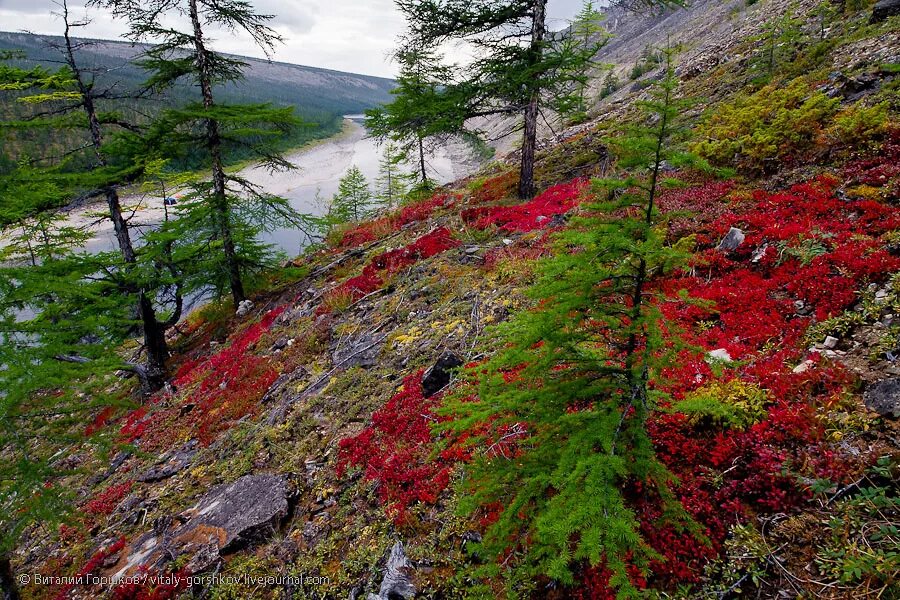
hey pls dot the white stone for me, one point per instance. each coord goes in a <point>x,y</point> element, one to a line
<point>830,342</point>
<point>720,354</point>
<point>804,366</point>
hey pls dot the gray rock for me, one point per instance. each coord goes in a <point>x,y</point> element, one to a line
<point>170,464</point>
<point>358,351</point>
<point>884,398</point>
<point>438,375</point>
<point>884,9</point>
<point>228,517</point>
<point>830,342</point>
<point>734,238</point>
<point>397,584</point>
<point>244,308</point>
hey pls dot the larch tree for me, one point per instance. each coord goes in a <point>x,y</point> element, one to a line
<point>88,100</point>
<point>392,182</point>
<point>565,399</point>
<point>420,116</point>
<point>227,212</point>
<point>518,67</point>
<point>353,200</point>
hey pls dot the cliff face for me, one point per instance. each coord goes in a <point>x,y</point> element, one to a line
<point>295,440</point>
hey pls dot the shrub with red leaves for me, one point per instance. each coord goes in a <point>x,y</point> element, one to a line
<point>395,451</point>
<point>410,213</point>
<point>531,215</point>
<point>392,262</point>
<point>91,565</point>
<point>107,500</point>
<point>220,389</point>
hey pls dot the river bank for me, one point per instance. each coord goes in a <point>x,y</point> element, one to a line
<point>308,187</point>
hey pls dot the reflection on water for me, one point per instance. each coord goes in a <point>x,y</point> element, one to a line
<point>318,172</point>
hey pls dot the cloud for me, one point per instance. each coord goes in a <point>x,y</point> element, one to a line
<point>345,35</point>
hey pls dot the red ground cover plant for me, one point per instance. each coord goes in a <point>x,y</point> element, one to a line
<point>392,262</point>
<point>411,213</point>
<point>496,188</point>
<point>805,254</point>
<point>107,500</point>
<point>92,564</point>
<point>395,451</point>
<point>528,216</point>
<point>217,391</point>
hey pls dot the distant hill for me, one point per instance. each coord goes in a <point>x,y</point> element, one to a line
<point>320,97</point>
<point>308,88</point>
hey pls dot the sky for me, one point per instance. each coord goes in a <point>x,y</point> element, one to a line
<point>345,35</point>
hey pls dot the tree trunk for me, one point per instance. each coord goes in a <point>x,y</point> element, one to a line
<point>214,145</point>
<point>154,335</point>
<point>422,162</point>
<point>529,136</point>
<point>8,585</point>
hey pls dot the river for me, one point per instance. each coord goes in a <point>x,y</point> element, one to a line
<point>319,168</point>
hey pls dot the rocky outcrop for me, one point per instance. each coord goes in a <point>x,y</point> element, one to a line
<point>884,9</point>
<point>397,583</point>
<point>228,517</point>
<point>438,376</point>
<point>884,397</point>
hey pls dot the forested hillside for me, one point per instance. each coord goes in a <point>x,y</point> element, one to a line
<point>320,97</point>
<point>650,352</point>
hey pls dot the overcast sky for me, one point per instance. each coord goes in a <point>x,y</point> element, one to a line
<point>347,35</point>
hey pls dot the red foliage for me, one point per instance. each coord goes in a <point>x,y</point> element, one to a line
<point>107,500</point>
<point>496,188</point>
<point>99,421</point>
<point>395,450</point>
<point>91,565</point>
<point>393,261</point>
<point>531,215</point>
<point>146,586</point>
<point>220,389</point>
<point>418,211</point>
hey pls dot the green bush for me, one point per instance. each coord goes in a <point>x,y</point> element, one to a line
<point>770,124</point>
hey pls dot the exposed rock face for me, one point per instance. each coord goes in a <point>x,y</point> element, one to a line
<point>731,241</point>
<point>397,584</point>
<point>437,377</point>
<point>170,463</point>
<point>226,518</point>
<point>884,397</point>
<point>884,9</point>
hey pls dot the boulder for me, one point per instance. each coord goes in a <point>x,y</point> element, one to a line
<point>732,239</point>
<point>244,308</point>
<point>397,583</point>
<point>884,397</point>
<point>438,375</point>
<point>228,517</point>
<point>884,9</point>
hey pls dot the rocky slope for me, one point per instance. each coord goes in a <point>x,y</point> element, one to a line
<point>295,440</point>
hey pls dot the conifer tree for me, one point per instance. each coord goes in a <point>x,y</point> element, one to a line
<point>518,69</point>
<point>391,185</point>
<point>584,31</point>
<point>567,394</point>
<point>353,200</point>
<point>420,117</point>
<point>227,212</point>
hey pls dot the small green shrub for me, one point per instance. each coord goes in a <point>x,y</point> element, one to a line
<point>772,123</point>
<point>733,404</point>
